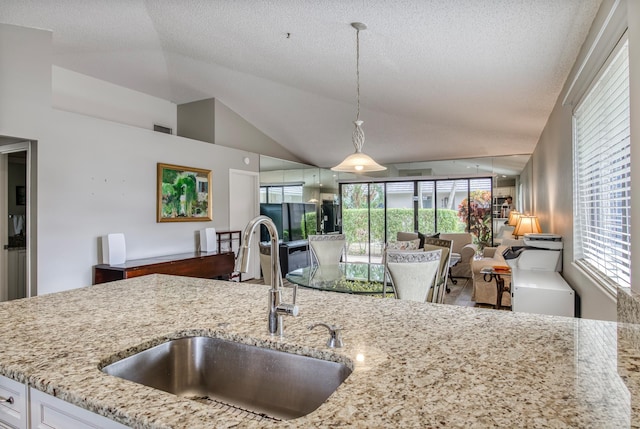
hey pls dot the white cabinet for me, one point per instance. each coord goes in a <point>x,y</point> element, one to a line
<point>13,405</point>
<point>48,412</point>
<point>20,404</point>
<point>541,292</point>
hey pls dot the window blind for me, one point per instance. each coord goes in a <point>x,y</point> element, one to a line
<point>602,175</point>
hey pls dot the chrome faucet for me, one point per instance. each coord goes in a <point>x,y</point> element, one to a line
<point>276,307</point>
<point>335,334</point>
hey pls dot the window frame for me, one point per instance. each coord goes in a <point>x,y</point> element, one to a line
<point>588,261</point>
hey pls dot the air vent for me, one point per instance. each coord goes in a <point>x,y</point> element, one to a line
<point>161,129</point>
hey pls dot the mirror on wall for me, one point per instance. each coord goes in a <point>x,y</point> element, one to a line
<point>316,189</point>
<point>291,190</point>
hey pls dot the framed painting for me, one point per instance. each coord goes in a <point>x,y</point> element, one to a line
<point>184,194</point>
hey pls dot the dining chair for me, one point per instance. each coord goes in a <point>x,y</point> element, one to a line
<point>412,273</point>
<point>265,262</point>
<point>327,249</point>
<point>443,270</point>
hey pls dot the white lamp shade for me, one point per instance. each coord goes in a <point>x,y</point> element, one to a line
<point>526,225</point>
<point>358,162</point>
<point>513,218</point>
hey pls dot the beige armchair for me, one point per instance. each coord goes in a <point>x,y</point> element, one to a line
<point>485,290</point>
<point>463,245</point>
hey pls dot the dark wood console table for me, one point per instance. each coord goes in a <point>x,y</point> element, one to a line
<point>206,265</point>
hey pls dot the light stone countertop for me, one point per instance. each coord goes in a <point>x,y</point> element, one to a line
<point>425,365</point>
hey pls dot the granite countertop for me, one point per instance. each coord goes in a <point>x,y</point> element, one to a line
<point>425,365</point>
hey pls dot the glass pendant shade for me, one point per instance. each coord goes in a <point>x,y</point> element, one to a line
<point>358,162</point>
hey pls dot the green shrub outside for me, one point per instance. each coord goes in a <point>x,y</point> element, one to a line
<point>356,228</point>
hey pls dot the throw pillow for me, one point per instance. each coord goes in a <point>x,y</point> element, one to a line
<point>404,245</point>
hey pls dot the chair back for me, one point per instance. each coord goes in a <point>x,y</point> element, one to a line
<point>265,262</point>
<point>443,270</point>
<point>412,273</point>
<point>327,249</point>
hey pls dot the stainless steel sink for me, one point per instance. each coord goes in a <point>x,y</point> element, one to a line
<point>263,381</point>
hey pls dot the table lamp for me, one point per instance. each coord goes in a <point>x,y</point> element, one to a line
<point>527,224</point>
<point>513,218</point>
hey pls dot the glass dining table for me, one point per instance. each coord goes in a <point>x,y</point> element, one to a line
<point>346,277</point>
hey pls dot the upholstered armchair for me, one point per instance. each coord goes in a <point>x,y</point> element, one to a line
<point>463,245</point>
<point>485,290</point>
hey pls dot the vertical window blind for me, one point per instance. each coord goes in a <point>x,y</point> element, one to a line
<point>602,175</point>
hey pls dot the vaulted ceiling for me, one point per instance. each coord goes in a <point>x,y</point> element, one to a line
<point>439,79</point>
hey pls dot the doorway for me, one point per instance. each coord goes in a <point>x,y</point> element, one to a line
<point>15,219</point>
<point>242,210</point>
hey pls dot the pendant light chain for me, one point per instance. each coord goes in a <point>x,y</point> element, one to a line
<point>358,72</point>
<point>358,133</point>
<point>358,162</point>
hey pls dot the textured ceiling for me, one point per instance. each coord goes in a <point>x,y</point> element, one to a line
<point>440,79</point>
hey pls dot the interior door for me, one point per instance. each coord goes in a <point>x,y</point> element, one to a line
<point>244,205</point>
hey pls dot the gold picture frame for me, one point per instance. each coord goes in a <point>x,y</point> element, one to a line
<point>184,194</point>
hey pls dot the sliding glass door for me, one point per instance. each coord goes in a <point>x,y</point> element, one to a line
<point>363,207</point>
<point>451,199</point>
<point>374,212</point>
<point>426,207</point>
<point>400,216</point>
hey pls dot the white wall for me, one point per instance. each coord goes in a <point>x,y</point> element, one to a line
<point>97,177</point>
<point>25,81</point>
<point>551,165</point>
<point>232,130</point>
<point>79,93</point>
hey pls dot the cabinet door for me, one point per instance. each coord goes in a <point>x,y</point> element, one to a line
<point>48,412</point>
<point>13,405</point>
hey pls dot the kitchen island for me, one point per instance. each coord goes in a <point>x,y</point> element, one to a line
<point>414,365</point>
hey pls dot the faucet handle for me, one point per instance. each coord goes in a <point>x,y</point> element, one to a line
<point>335,332</point>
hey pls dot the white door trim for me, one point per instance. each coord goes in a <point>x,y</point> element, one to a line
<point>4,213</point>
<point>244,205</point>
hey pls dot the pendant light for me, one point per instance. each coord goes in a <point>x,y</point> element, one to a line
<point>358,162</point>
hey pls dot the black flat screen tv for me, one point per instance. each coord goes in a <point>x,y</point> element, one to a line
<point>290,220</point>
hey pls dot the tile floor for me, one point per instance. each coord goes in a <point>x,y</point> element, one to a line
<point>461,295</point>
